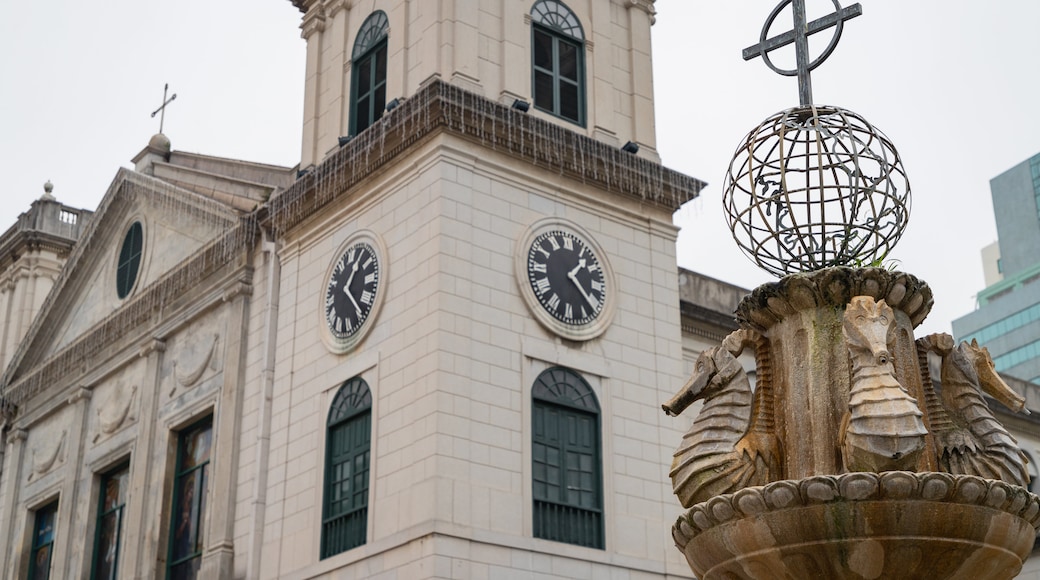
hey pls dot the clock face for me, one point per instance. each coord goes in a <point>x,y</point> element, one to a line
<point>566,277</point>
<point>352,290</point>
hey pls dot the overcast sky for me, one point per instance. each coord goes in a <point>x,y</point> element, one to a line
<point>952,83</point>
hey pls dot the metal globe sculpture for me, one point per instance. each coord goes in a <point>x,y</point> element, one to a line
<point>813,187</point>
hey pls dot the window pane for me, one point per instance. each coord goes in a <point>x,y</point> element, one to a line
<point>185,532</point>
<point>543,46</point>
<point>109,524</point>
<point>568,61</point>
<point>189,502</point>
<point>41,564</point>
<point>107,546</point>
<point>42,542</point>
<point>569,105</point>
<point>380,62</point>
<point>364,76</point>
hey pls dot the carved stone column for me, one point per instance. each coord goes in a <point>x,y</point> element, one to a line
<point>218,559</point>
<point>144,500</point>
<point>12,474</point>
<point>71,552</point>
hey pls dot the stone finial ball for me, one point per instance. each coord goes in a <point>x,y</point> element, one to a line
<point>814,187</point>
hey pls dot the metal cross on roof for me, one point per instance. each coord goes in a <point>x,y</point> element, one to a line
<point>800,37</point>
<point>162,109</point>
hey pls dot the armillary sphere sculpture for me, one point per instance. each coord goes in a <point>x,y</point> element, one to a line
<point>847,459</point>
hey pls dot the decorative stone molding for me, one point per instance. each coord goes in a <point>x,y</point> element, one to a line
<point>646,6</point>
<point>834,287</point>
<point>190,377</point>
<point>333,7</point>
<point>17,435</point>
<point>116,411</point>
<point>8,410</point>
<point>313,21</point>
<point>81,394</point>
<point>46,457</point>
<point>238,288</point>
<point>153,345</point>
<point>863,525</point>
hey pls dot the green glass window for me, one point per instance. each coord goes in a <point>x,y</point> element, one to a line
<point>347,447</point>
<point>191,479</point>
<point>43,542</point>
<point>368,84</point>
<point>558,61</point>
<point>109,528</point>
<point>129,260</point>
<point>567,468</point>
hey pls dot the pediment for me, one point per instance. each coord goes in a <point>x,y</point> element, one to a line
<point>102,276</point>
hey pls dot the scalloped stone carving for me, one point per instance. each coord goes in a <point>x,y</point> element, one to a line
<point>895,524</point>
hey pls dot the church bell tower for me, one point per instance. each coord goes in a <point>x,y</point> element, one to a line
<point>479,308</point>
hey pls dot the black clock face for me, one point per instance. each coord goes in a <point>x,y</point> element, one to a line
<point>352,290</point>
<point>567,277</point>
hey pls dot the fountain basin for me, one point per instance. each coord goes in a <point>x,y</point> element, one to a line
<point>862,526</point>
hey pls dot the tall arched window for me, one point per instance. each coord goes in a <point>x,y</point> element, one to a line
<point>368,79</point>
<point>558,61</point>
<point>348,441</point>
<point>567,471</point>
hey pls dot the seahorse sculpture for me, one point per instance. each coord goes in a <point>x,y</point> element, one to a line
<point>883,429</point>
<point>970,441</point>
<point>731,444</point>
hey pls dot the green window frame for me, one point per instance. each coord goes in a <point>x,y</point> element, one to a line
<point>129,259</point>
<point>188,509</point>
<point>558,61</point>
<point>44,524</point>
<point>109,527</point>
<point>348,444</point>
<point>368,73</point>
<point>567,480</point>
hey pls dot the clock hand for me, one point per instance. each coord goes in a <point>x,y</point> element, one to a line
<point>346,289</point>
<point>573,275</point>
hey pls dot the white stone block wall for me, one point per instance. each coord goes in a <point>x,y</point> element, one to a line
<point>483,46</point>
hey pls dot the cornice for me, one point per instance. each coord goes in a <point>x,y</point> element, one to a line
<point>334,7</point>
<point>439,107</point>
<point>646,6</point>
<point>313,21</point>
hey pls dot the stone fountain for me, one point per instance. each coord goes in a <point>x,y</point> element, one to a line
<point>845,460</point>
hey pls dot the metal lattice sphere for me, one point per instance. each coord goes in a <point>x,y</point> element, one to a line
<point>814,187</point>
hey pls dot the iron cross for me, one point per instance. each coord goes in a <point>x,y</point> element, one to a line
<point>799,35</point>
<point>162,109</point>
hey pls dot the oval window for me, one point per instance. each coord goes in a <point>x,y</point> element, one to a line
<point>129,260</point>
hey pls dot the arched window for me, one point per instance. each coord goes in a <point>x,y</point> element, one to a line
<point>567,471</point>
<point>368,79</point>
<point>129,259</point>
<point>348,441</point>
<point>558,61</point>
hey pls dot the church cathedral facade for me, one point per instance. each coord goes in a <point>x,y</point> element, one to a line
<point>435,349</point>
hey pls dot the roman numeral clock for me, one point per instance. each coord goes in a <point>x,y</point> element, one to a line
<point>353,291</point>
<point>565,279</point>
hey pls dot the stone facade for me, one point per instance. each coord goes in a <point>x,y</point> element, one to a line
<point>223,325</point>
